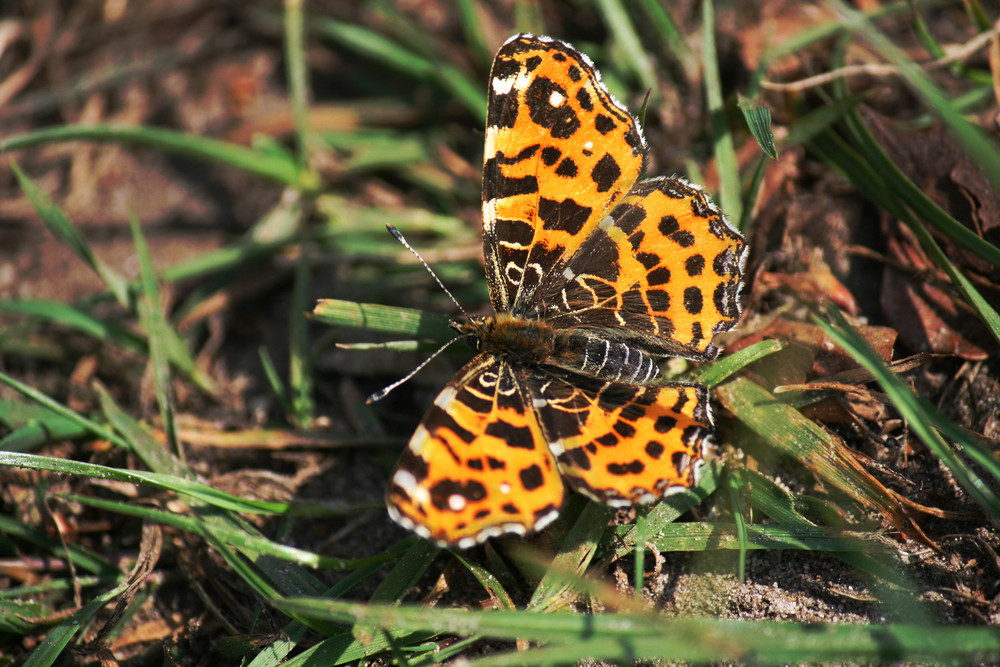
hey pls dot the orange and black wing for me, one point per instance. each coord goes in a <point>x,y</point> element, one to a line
<point>478,465</point>
<point>624,444</point>
<point>560,151</point>
<point>663,271</point>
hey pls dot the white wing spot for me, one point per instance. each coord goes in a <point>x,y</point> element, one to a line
<point>504,488</point>
<point>456,503</point>
<point>503,86</point>
<point>556,98</point>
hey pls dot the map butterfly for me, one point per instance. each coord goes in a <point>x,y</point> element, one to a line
<point>592,277</point>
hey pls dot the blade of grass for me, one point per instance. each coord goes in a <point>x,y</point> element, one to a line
<point>198,490</point>
<point>300,379</point>
<point>68,234</point>
<point>663,514</point>
<point>62,411</point>
<point>725,154</point>
<point>390,54</point>
<point>155,325</point>
<point>980,147</point>
<point>557,587</point>
<point>787,430</point>
<point>643,636</point>
<point>56,641</point>
<point>922,418</point>
<point>627,39</point>
<point>298,82</point>
<point>32,425</point>
<point>75,317</point>
<point>260,163</point>
<point>82,558</point>
<point>713,373</point>
<point>734,487</point>
<point>234,536</point>
<point>385,319</point>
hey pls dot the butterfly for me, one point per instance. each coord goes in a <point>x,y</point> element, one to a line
<point>593,277</point>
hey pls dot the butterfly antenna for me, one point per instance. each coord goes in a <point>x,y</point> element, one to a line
<point>382,393</point>
<point>399,237</point>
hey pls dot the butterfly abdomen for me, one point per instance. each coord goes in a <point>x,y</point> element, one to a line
<point>605,359</point>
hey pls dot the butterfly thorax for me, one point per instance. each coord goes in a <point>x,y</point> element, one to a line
<point>530,342</point>
<point>510,338</point>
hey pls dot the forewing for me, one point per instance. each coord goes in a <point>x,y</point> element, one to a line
<point>560,151</point>
<point>478,465</point>
<point>664,270</point>
<point>624,444</point>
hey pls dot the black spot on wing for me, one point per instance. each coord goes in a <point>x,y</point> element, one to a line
<point>561,121</point>
<point>624,429</point>
<point>513,436</point>
<point>694,265</point>
<point>531,477</point>
<point>658,276</point>
<point>668,225</point>
<point>576,458</point>
<point>632,468</point>
<point>693,300</point>
<point>665,424</point>
<point>565,215</point>
<point>628,217</point>
<point>654,449</point>
<point>567,168</point>
<point>498,186</point>
<point>604,124</point>
<point>659,300</point>
<point>683,238</point>
<point>648,259</point>
<point>605,173</point>
<point>471,490</point>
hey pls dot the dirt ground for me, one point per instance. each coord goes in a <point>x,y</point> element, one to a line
<point>216,69</point>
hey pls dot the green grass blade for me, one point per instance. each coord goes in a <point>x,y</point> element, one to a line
<point>631,637</point>
<point>730,197</point>
<point>488,581</point>
<point>558,584</point>
<point>385,319</point>
<point>191,488</point>
<point>300,380</point>
<point>33,425</point>
<point>627,39</point>
<point>734,487</point>
<point>74,317</point>
<point>713,373</point>
<point>921,417</point>
<point>391,54</point>
<point>155,325</point>
<point>786,430</point>
<point>666,512</point>
<point>260,163</point>
<point>56,641</point>
<point>82,558</point>
<point>976,143</point>
<point>63,411</point>
<point>298,80</point>
<point>235,536</point>
<point>68,234</point>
